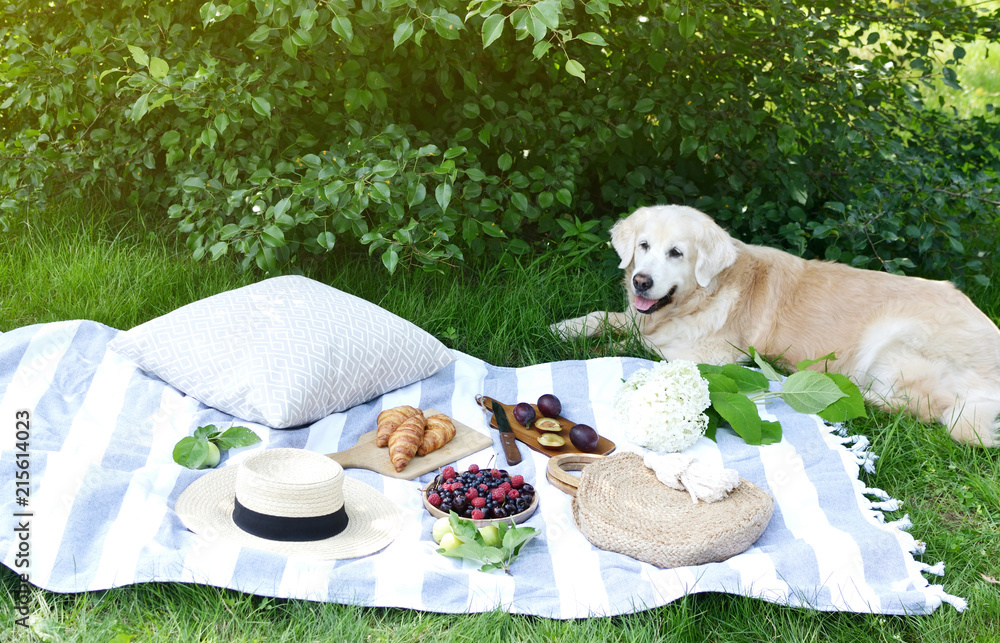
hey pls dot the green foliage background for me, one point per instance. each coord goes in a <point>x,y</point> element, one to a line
<point>439,132</point>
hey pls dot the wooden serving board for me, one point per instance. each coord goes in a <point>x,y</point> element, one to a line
<point>530,436</point>
<point>365,455</point>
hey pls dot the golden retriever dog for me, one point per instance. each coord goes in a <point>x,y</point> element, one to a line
<point>696,293</point>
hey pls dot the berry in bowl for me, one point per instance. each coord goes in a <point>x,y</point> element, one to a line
<point>485,496</point>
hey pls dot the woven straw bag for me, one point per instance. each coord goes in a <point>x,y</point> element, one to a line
<point>620,506</point>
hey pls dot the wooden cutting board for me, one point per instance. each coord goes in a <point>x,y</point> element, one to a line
<point>530,436</point>
<point>365,455</point>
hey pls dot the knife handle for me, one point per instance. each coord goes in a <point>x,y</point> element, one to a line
<point>510,450</point>
<point>507,439</point>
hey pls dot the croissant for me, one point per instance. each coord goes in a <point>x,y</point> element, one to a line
<point>406,439</point>
<point>440,430</point>
<point>389,419</point>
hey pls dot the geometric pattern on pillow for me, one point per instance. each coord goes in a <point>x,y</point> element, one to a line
<point>283,352</point>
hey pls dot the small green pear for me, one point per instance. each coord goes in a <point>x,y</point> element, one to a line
<point>449,541</point>
<point>491,535</point>
<point>441,527</point>
<point>214,455</point>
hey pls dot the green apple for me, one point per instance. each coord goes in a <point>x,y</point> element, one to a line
<point>214,455</point>
<point>491,535</point>
<point>441,527</point>
<point>449,541</point>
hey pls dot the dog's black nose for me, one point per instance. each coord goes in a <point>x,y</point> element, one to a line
<point>642,282</point>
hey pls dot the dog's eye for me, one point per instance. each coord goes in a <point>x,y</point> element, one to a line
<point>644,245</point>
<point>675,253</point>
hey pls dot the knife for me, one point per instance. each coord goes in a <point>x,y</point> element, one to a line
<point>510,449</point>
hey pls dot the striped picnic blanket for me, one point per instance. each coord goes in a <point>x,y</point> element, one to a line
<point>97,511</point>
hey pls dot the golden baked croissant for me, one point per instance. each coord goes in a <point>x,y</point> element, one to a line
<point>389,419</point>
<point>406,439</point>
<point>440,430</point>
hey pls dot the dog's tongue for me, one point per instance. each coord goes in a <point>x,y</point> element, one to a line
<point>644,304</point>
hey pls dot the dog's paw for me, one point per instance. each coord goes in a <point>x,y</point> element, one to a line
<point>563,330</point>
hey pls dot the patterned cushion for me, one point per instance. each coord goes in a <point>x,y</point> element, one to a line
<point>283,352</point>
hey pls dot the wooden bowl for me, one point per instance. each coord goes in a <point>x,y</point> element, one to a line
<point>556,471</point>
<point>516,518</point>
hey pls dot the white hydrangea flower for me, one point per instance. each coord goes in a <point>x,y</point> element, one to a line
<point>662,408</point>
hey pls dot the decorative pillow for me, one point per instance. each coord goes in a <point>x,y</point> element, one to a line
<point>283,352</point>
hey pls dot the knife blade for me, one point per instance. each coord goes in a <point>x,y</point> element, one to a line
<point>510,449</point>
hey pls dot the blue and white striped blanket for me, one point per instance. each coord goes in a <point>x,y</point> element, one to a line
<point>103,485</point>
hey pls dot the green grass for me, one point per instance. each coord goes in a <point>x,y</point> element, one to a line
<point>75,262</point>
<point>68,263</point>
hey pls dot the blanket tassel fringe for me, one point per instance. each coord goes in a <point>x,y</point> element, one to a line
<point>886,503</point>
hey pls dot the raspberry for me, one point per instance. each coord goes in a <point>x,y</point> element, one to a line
<point>434,499</point>
<point>473,468</point>
<point>478,502</point>
<point>497,495</point>
<point>505,486</point>
<point>495,473</point>
<point>472,493</point>
<point>516,480</point>
<point>483,487</point>
<point>448,473</point>
<point>513,494</point>
<point>477,514</point>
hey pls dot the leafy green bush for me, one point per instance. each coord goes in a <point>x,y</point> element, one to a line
<point>437,131</point>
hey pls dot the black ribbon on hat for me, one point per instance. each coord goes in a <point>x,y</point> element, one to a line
<point>288,528</point>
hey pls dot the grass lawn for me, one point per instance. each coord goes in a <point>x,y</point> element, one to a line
<point>82,261</point>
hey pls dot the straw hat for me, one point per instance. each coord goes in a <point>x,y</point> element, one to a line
<point>293,502</point>
<point>621,506</point>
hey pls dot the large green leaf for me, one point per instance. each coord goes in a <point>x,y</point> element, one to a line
<point>139,55</point>
<point>442,193</point>
<point>688,25</point>
<point>851,406</point>
<point>235,437</point>
<point>158,68</point>
<point>770,432</point>
<point>740,413</point>
<point>402,33</point>
<point>810,391</point>
<point>342,27</point>
<point>273,236</point>
<point>747,380</point>
<point>592,38</point>
<point>492,28</point>
<point>575,68</point>
<point>719,383</point>
<point>195,453</point>
<point>261,105</point>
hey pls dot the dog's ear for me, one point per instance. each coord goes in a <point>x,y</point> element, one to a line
<point>716,252</point>
<point>623,240</point>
